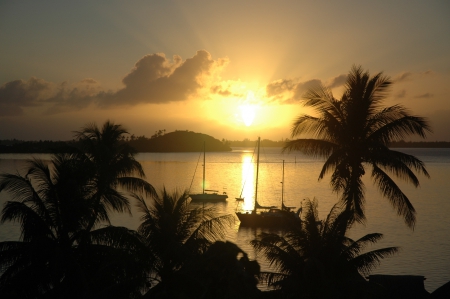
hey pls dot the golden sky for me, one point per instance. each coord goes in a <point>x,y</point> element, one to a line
<point>230,69</point>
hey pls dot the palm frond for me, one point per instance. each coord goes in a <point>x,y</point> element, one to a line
<point>366,262</point>
<point>118,237</point>
<point>398,125</point>
<point>355,247</point>
<point>19,187</point>
<point>392,192</point>
<point>278,251</point>
<point>400,164</point>
<point>114,200</point>
<point>334,161</point>
<point>213,229</point>
<point>32,225</point>
<point>272,279</point>
<point>311,147</point>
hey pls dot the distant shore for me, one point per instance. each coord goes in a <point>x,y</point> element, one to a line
<point>398,144</point>
<point>47,146</point>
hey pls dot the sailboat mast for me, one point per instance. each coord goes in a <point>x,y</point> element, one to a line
<point>282,188</point>
<point>257,172</point>
<point>204,166</point>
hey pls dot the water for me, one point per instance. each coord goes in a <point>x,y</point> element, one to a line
<point>424,251</point>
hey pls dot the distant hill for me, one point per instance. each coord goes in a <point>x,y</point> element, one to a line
<point>179,141</point>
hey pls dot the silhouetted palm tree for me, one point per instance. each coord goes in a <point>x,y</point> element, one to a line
<point>176,232</point>
<point>52,205</point>
<point>317,259</point>
<point>354,133</point>
<point>112,164</point>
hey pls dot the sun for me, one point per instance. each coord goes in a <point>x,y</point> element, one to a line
<point>248,113</point>
<point>248,109</point>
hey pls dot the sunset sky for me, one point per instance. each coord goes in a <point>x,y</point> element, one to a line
<point>230,69</point>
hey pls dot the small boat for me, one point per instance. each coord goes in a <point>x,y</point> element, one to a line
<point>207,195</point>
<point>268,216</point>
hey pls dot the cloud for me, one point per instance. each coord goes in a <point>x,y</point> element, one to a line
<point>408,76</point>
<point>279,87</point>
<point>217,89</point>
<point>424,96</point>
<point>405,76</point>
<point>400,94</point>
<point>338,81</point>
<point>154,79</point>
<point>73,97</point>
<point>303,87</point>
<point>288,91</point>
<point>17,94</point>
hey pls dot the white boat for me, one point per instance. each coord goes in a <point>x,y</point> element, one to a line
<point>207,195</point>
<point>265,216</point>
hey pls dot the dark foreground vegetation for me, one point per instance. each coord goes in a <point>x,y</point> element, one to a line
<point>68,247</point>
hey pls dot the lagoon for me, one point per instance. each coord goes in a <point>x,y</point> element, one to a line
<point>424,251</point>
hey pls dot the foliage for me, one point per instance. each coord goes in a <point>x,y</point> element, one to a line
<point>112,165</point>
<point>175,232</point>
<point>179,141</point>
<point>51,202</point>
<point>317,259</point>
<point>222,271</point>
<point>353,134</point>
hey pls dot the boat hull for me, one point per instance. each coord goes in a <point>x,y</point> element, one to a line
<point>279,219</point>
<point>207,197</point>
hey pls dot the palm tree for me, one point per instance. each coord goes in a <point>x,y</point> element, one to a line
<point>176,232</point>
<point>353,134</point>
<point>317,259</point>
<point>51,202</point>
<point>112,164</point>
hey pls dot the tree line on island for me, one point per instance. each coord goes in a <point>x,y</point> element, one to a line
<point>176,142</point>
<point>68,247</point>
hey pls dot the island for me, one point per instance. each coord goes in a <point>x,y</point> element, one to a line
<point>177,141</point>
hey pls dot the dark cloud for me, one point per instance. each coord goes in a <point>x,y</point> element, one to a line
<point>302,88</point>
<point>405,76</point>
<point>279,87</point>
<point>73,97</point>
<point>289,91</point>
<point>154,79</point>
<point>424,96</point>
<point>338,81</point>
<point>17,94</point>
<point>400,94</point>
<point>429,73</point>
<point>220,90</point>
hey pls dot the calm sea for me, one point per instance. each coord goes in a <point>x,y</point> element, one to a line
<point>424,251</point>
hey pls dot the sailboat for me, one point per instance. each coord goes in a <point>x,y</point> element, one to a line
<point>207,195</point>
<point>268,216</point>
